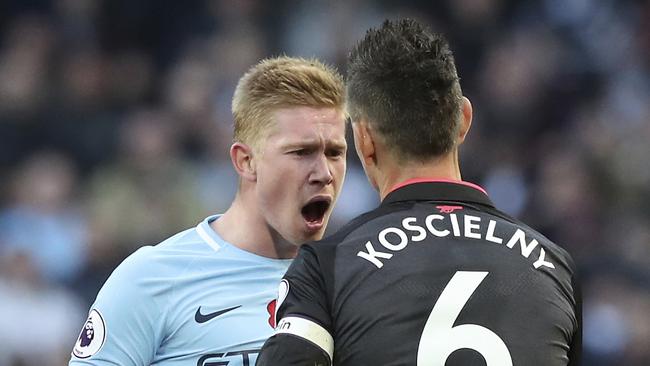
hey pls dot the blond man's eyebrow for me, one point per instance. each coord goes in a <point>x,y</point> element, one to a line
<point>340,144</point>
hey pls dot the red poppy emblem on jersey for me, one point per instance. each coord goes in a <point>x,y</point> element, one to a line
<point>271,309</point>
<point>448,209</point>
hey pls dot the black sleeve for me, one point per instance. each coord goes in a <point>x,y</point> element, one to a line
<point>287,350</point>
<point>575,352</point>
<point>303,330</point>
<point>306,294</point>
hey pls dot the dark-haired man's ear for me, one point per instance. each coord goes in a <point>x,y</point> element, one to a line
<point>243,161</point>
<point>465,120</point>
<point>365,145</point>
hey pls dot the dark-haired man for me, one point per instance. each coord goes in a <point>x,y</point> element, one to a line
<point>436,275</point>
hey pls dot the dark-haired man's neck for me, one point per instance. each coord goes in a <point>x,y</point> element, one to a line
<point>394,173</point>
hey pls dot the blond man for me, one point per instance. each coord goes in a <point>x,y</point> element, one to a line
<point>206,295</point>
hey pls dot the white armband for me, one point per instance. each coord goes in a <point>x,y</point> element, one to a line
<point>308,330</point>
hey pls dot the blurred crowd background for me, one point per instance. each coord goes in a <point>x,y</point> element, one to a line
<point>115,125</point>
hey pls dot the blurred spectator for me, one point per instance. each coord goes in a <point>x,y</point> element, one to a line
<point>615,321</point>
<point>328,29</point>
<point>147,192</point>
<point>507,188</point>
<point>27,45</point>
<point>38,322</point>
<point>42,219</point>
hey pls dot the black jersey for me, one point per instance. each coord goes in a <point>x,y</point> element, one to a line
<point>434,276</point>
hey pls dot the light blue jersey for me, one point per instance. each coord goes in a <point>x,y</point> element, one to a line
<point>193,299</point>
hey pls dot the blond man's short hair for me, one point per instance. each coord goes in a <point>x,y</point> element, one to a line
<point>282,82</point>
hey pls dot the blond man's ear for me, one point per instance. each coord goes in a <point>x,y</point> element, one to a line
<point>243,160</point>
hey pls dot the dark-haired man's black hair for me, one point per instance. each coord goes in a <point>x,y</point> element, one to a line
<point>403,80</point>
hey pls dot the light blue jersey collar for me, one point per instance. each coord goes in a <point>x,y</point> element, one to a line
<point>216,242</point>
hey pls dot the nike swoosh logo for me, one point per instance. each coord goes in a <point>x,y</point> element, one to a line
<point>202,318</point>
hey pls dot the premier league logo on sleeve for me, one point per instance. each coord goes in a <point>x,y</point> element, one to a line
<point>92,336</point>
<point>87,334</point>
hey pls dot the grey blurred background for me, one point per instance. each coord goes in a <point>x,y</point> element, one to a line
<point>115,126</point>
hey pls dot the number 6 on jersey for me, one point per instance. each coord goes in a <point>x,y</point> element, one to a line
<point>440,338</point>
